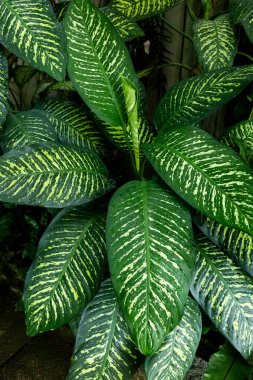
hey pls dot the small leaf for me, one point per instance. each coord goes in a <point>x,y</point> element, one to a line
<point>22,74</point>
<point>67,269</point>
<point>3,87</point>
<point>241,11</point>
<point>175,356</point>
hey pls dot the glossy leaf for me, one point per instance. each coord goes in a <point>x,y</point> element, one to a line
<point>150,253</point>
<point>206,174</point>
<point>104,348</point>
<point>241,11</point>
<point>52,176</point>
<point>29,29</point>
<point>3,87</point>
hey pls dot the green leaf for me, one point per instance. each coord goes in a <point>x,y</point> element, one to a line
<point>97,58</point>
<point>237,244</point>
<point>72,124</point>
<point>193,99</point>
<point>52,176</point>
<point>150,254</point>
<point>67,269</point>
<point>225,292</point>
<point>31,31</point>
<point>206,174</point>
<point>104,348</point>
<point>215,43</point>
<point>26,128</point>
<point>175,356</point>
<point>227,364</point>
<point>22,74</point>
<point>140,9</point>
<point>3,87</point>
<point>241,11</point>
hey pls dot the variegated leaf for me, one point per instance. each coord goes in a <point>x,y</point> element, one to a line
<point>104,348</point>
<point>22,74</point>
<point>97,58</point>
<point>52,176</point>
<point>72,124</point>
<point>150,254</point>
<point>3,87</point>
<point>175,356</point>
<point>193,99</point>
<point>30,30</point>
<point>26,128</point>
<point>206,174</point>
<point>67,269</point>
<point>241,11</point>
<point>225,292</point>
<point>215,43</point>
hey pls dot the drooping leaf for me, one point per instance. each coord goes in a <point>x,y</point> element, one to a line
<point>206,174</point>
<point>241,11</point>
<point>193,99</point>
<point>26,128</point>
<point>227,364</point>
<point>67,269</point>
<point>97,58</point>
<point>22,74</point>
<point>175,356</point>
<point>150,254</point>
<point>3,87</point>
<point>30,30</point>
<point>215,43</point>
<point>52,176</point>
<point>72,124</point>
<point>104,348</point>
<point>225,292</point>
<point>140,9</point>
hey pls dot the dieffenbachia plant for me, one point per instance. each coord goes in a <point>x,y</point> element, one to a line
<point>138,233</point>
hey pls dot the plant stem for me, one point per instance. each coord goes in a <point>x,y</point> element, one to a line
<point>176,29</point>
<point>147,71</point>
<point>251,115</point>
<point>245,55</point>
<point>190,10</point>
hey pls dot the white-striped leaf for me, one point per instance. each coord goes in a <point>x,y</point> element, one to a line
<point>150,253</point>
<point>97,58</point>
<point>22,74</point>
<point>193,99</point>
<point>52,176</point>
<point>26,128</point>
<point>215,43</point>
<point>3,87</point>
<point>66,271</point>
<point>72,124</point>
<point>140,9</point>
<point>175,356</point>
<point>205,173</point>
<point>241,11</point>
<point>30,30</point>
<point>104,348</point>
<point>225,292</point>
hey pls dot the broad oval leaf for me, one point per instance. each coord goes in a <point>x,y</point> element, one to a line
<point>150,253</point>
<point>175,356</point>
<point>30,30</point>
<point>67,269</point>
<point>72,124</point>
<point>104,348</point>
<point>97,58</point>
<point>52,176</point>
<point>193,99</point>
<point>225,292</point>
<point>206,174</point>
<point>241,11</point>
<point>3,87</point>
<point>215,43</point>
<point>26,128</point>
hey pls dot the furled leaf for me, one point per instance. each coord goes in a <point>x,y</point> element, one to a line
<point>207,7</point>
<point>97,60</point>
<point>235,243</point>
<point>104,348</point>
<point>3,87</point>
<point>52,176</point>
<point>29,29</point>
<point>22,74</point>
<point>225,292</point>
<point>241,11</point>
<point>175,356</point>
<point>227,364</point>
<point>139,9</point>
<point>150,253</point>
<point>193,99</point>
<point>26,128</point>
<point>215,43</point>
<point>206,174</point>
<point>67,269</point>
